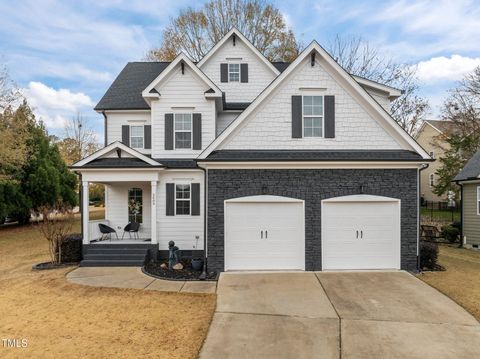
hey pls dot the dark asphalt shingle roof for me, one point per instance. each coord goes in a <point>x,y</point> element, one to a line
<point>129,162</point>
<point>471,170</point>
<point>125,93</point>
<point>313,155</point>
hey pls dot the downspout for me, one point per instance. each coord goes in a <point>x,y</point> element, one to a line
<point>80,204</point>
<point>462,235</point>
<point>424,167</point>
<point>203,276</point>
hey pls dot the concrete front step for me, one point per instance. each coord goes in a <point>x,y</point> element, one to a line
<point>111,255</point>
<point>112,263</point>
<point>114,251</point>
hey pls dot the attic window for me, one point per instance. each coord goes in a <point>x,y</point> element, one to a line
<point>233,72</point>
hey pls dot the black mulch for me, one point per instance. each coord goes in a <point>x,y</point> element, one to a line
<point>187,273</point>
<point>50,265</point>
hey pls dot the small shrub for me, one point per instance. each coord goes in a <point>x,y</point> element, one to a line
<point>428,256</point>
<point>457,225</point>
<point>450,233</point>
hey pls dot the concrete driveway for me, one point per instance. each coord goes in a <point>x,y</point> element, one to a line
<point>333,315</point>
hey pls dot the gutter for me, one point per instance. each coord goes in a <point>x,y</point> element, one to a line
<point>424,167</point>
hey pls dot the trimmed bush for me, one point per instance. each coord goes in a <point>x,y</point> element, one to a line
<point>72,248</point>
<point>450,233</point>
<point>428,256</point>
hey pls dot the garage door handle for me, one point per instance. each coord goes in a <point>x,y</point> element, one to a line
<point>266,234</point>
<point>361,234</point>
<point>357,234</point>
<point>261,234</point>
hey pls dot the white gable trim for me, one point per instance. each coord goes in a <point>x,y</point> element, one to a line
<point>391,124</point>
<point>246,42</point>
<point>182,57</point>
<point>111,147</point>
<point>392,92</point>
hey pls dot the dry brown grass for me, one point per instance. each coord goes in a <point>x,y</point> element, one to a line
<point>461,280</point>
<point>63,320</point>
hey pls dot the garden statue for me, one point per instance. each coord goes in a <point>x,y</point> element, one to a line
<point>173,254</point>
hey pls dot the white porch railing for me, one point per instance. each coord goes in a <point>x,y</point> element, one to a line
<point>93,230</point>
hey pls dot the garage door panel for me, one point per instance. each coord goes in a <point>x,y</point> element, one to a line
<point>264,236</point>
<point>377,244</point>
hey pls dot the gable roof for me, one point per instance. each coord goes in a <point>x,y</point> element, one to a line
<point>471,170</point>
<point>440,125</point>
<point>247,42</point>
<point>182,58</point>
<point>117,146</point>
<point>374,105</point>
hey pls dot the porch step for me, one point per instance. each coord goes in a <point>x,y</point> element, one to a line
<point>112,255</point>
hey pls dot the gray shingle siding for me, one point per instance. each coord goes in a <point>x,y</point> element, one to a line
<point>312,185</point>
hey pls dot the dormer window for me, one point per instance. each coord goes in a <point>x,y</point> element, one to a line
<point>183,130</point>
<point>233,72</point>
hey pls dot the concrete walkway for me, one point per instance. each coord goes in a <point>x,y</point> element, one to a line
<point>333,315</point>
<point>132,277</point>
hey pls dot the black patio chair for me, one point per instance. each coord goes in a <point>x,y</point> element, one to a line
<point>130,228</point>
<point>106,231</point>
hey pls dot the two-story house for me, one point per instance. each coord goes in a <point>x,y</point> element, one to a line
<point>256,165</point>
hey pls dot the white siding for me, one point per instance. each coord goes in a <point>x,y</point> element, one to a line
<point>115,121</point>
<point>224,119</point>
<point>270,125</point>
<point>183,230</point>
<point>117,207</point>
<point>381,99</point>
<point>181,94</point>
<point>259,74</point>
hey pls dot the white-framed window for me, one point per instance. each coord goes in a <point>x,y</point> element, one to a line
<point>478,200</point>
<point>431,179</point>
<point>233,72</point>
<point>432,154</point>
<point>135,205</point>
<point>137,134</point>
<point>183,130</point>
<point>182,199</point>
<point>313,116</point>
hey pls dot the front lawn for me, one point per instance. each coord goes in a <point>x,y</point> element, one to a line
<point>63,320</point>
<point>461,279</point>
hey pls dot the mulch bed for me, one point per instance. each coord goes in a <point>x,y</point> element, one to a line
<point>187,273</point>
<point>50,265</point>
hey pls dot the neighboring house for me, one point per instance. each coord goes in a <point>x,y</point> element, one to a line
<point>430,137</point>
<point>469,181</point>
<point>266,166</point>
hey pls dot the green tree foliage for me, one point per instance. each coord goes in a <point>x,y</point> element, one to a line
<point>195,32</point>
<point>463,110</point>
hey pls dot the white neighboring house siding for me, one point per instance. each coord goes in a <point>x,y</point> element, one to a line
<point>259,75</point>
<point>117,207</point>
<point>184,229</point>
<point>224,119</point>
<point>181,94</point>
<point>381,99</point>
<point>270,125</point>
<point>116,119</point>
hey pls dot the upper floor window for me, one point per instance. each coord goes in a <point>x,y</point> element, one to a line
<point>182,199</point>
<point>313,116</point>
<point>137,136</point>
<point>183,130</point>
<point>135,205</point>
<point>233,72</point>
<point>431,179</point>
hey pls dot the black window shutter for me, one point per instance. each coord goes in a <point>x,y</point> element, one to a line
<point>195,199</point>
<point>223,72</point>
<point>197,131</point>
<point>244,72</point>
<point>170,203</point>
<point>147,133</point>
<point>126,135</point>
<point>329,103</point>
<point>169,131</point>
<point>296,116</point>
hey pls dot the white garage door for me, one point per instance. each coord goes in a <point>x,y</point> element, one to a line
<point>264,233</point>
<point>361,232</point>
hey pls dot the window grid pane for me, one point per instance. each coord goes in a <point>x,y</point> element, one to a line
<point>136,136</point>
<point>182,199</point>
<point>234,72</point>
<point>312,116</point>
<point>183,130</point>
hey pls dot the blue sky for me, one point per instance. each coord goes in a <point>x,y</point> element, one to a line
<point>64,54</point>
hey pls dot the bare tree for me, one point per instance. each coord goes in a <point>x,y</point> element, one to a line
<point>360,58</point>
<point>79,141</point>
<point>9,93</point>
<point>194,32</point>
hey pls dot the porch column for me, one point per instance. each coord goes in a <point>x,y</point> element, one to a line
<point>85,212</point>
<point>154,212</point>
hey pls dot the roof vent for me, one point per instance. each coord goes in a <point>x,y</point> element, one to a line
<point>313,59</point>
<point>234,38</point>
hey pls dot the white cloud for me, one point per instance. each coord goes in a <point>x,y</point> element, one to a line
<point>446,68</point>
<point>53,106</point>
